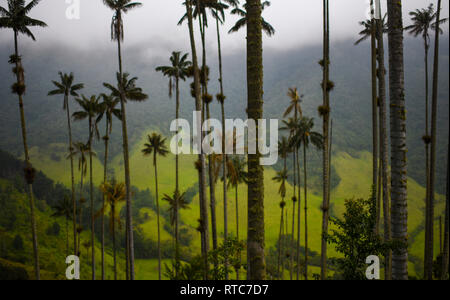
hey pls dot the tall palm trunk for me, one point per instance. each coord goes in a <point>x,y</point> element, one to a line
<point>80,224</point>
<point>433,145</point>
<point>158,221</point>
<point>224,156</point>
<point>212,193</point>
<point>113,210</point>
<point>399,210</point>
<point>291,244</point>
<point>237,227</point>
<point>280,243</point>
<point>298,216</point>
<point>427,141</point>
<point>126,160</point>
<point>326,153</point>
<point>105,175</point>
<point>29,171</point>
<point>374,102</point>
<point>305,178</point>
<point>74,202</point>
<point>384,145</point>
<point>177,188</point>
<point>91,192</point>
<point>445,252</point>
<point>294,199</point>
<point>255,244</point>
<point>202,173</point>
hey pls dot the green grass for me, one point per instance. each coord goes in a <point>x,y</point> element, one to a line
<point>355,182</point>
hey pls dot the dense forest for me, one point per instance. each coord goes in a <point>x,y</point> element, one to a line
<point>88,167</point>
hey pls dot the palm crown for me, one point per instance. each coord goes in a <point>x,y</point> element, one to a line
<point>156,145</point>
<point>423,20</point>
<point>178,70</point>
<point>176,203</point>
<point>367,31</point>
<point>115,194</point>
<point>128,87</point>
<point>217,9</point>
<point>108,109</point>
<point>66,87</point>
<point>119,7</point>
<point>15,17</point>
<point>267,28</point>
<point>296,100</point>
<point>82,151</point>
<point>237,174</point>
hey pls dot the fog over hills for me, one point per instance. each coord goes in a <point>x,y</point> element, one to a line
<point>351,108</point>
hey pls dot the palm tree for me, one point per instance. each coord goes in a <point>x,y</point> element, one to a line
<point>324,112</point>
<point>281,242</point>
<point>16,17</point>
<point>399,211</point>
<point>107,109</point>
<point>201,161</point>
<point>90,109</point>
<point>64,209</point>
<point>157,146</point>
<point>67,88</point>
<point>281,178</point>
<point>370,31</point>
<point>121,7</point>
<point>81,151</point>
<point>176,203</point>
<point>115,194</point>
<point>177,70</point>
<point>284,149</point>
<point>434,100</point>
<point>294,144</point>
<point>255,237</point>
<point>219,14</point>
<point>237,175</point>
<point>308,137</point>
<point>423,21</point>
<point>381,30</point>
<point>266,27</point>
<point>295,107</point>
<point>125,90</point>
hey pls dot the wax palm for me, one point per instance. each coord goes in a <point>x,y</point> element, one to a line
<point>266,27</point>
<point>295,105</point>
<point>424,20</point>
<point>157,146</point>
<point>179,69</point>
<point>292,125</point>
<point>121,7</point>
<point>67,88</point>
<point>106,109</point>
<point>90,108</point>
<point>219,15</point>
<point>115,193</point>
<point>367,29</point>
<point>176,203</point>
<point>236,175</point>
<point>128,86</point>
<point>16,17</point>
<point>82,151</point>
<point>64,209</point>
<point>308,137</point>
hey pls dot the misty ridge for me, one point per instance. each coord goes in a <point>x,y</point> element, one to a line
<point>350,70</point>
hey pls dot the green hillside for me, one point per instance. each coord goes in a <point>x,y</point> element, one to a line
<point>354,174</point>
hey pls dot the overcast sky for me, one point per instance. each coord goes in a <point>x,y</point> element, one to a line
<point>297,23</point>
